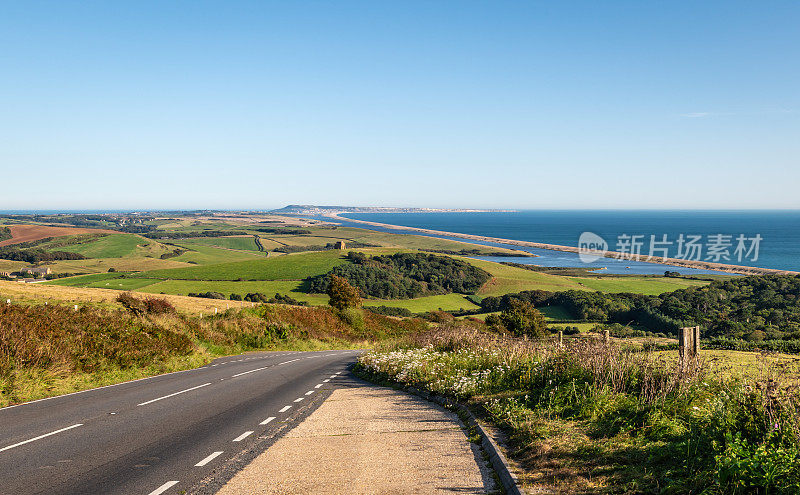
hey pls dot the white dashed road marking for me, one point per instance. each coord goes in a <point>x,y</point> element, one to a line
<point>267,420</point>
<point>285,408</point>
<point>318,385</point>
<point>161,489</point>
<point>243,436</point>
<point>309,392</point>
<point>173,395</point>
<point>251,371</point>
<point>208,459</point>
<point>40,437</point>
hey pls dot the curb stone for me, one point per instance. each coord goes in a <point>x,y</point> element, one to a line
<point>509,480</point>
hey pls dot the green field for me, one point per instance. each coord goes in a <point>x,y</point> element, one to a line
<point>124,264</point>
<point>640,285</point>
<point>103,281</point>
<point>555,313</point>
<point>447,302</point>
<point>211,255</point>
<point>239,243</point>
<point>112,246</point>
<point>267,287</point>
<point>287,267</point>
<point>506,279</point>
<point>84,280</point>
<point>582,327</point>
<point>302,240</point>
<point>122,283</point>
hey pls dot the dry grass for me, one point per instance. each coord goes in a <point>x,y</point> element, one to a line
<point>39,294</point>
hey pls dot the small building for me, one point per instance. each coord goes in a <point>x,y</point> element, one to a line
<point>339,245</point>
<point>37,270</point>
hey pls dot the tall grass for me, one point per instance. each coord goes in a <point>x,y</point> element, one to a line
<point>590,417</point>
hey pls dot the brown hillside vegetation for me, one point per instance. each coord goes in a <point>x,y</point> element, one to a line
<point>27,233</point>
<point>53,349</point>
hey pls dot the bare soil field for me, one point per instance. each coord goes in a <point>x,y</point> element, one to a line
<point>27,233</point>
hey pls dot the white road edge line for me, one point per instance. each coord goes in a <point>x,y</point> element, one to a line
<point>299,399</point>
<point>318,385</point>
<point>173,395</point>
<point>208,459</point>
<point>309,392</point>
<point>41,436</point>
<point>98,388</point>
<point>267,420</point>
<point>326,380</point>
<point>243,436</point>
<point>285,408</point>
<point>161,489</point>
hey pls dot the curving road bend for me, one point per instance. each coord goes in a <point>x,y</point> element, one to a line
<point>164,434</point>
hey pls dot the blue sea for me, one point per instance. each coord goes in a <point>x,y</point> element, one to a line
<point>767,239</point>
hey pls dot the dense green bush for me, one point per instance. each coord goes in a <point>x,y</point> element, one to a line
<point>389,311</point>
<point>521,319</point>
<point>208,295</point>
<point>404,275</point>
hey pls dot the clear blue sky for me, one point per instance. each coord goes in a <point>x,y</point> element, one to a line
<point>233,104</point>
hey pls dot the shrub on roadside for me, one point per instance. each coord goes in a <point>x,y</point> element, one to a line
<point>341,294</point>
<point>208,295</point>
<point>155,305</point>
<point>150,305</point>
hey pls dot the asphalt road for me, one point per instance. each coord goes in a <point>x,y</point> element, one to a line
<point>166,434</point>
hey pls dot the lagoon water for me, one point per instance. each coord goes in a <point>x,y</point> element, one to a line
<point>779,231</point>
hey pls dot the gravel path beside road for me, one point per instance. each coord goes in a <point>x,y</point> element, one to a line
<point>366,439</point>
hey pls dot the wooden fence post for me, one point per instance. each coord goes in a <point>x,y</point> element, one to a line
<point>606,336</point>
<point>688,346</point>
<point>560,338</point>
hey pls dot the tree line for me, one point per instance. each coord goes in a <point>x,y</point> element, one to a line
<point>756,308</point>
<point>403,275</point>
<point>37,255</point>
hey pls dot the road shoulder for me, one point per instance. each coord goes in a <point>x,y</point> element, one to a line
<point>369,439</point>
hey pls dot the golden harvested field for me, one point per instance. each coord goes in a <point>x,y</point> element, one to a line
<point>27,233</point>
<point>39,294</point>
<point>747,364</point>
<point>11,266</point>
